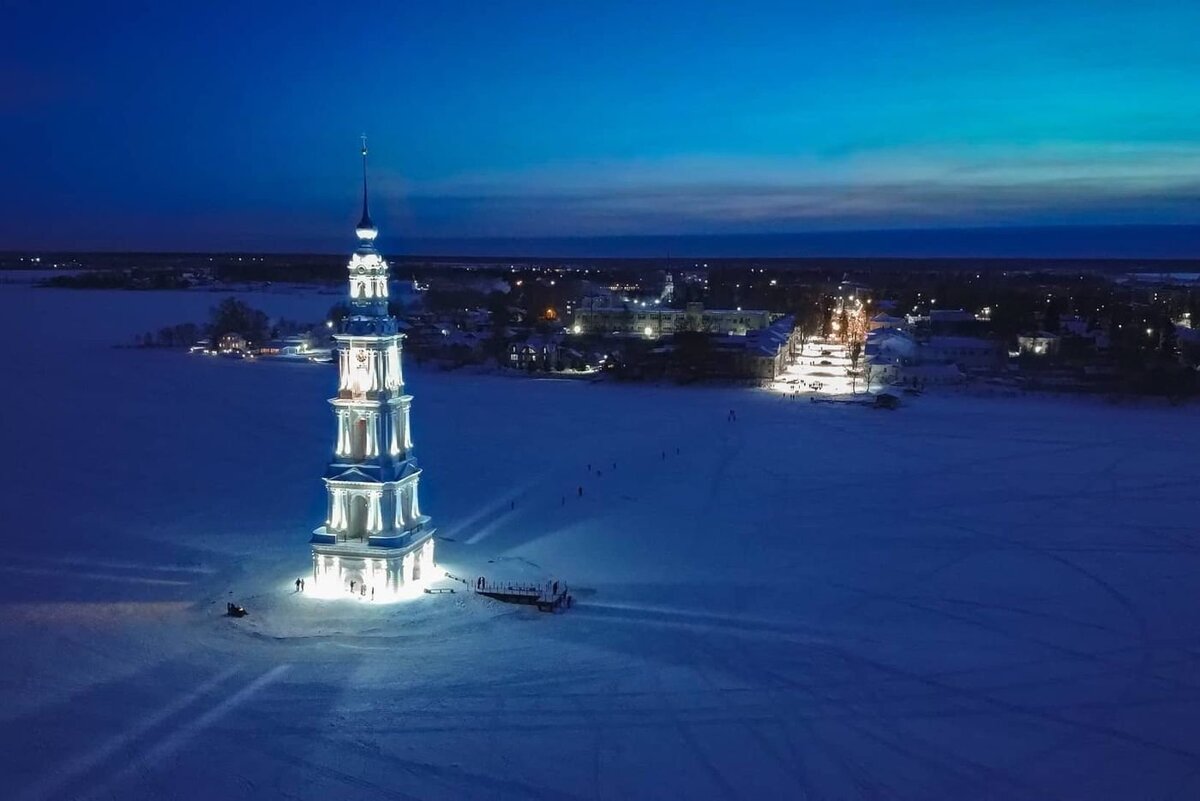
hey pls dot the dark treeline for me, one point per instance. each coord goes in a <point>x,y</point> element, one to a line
<point>330,267</point>
<point>230,316</point>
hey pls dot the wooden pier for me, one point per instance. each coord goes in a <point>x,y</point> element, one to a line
<point>550,596</point>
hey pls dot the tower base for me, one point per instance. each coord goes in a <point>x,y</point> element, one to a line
<point>345,569</point>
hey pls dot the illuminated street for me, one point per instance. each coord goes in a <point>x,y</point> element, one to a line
<point>822,368</point>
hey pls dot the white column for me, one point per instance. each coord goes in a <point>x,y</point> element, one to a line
<point>338,515</point>
<point>407,430</point>
<point>393,360</point>
<point>373,517</point>
<point>416,507</point>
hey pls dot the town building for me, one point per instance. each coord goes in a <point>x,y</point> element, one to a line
<point>232,344</point>
<point>770,350</point>
<point>598,316</point>
<point>898,357</point>
<point>969,353</point>
<point>294,346</point>
<point>1039,344</point>
<point>375,538</point>
<point>886,321</point>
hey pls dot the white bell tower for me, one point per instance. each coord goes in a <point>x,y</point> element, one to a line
<point>374,534</point>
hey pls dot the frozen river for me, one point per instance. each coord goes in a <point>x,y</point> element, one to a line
<point>965,598</point>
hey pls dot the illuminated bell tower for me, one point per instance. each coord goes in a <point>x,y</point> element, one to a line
<point>374,533</point>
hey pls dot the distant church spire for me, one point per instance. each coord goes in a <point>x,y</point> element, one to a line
<point>366,229</point>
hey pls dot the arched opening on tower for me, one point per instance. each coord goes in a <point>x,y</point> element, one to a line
<point>358,441</point>
<point>357,527</point>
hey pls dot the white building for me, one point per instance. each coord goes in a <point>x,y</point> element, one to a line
<point>374,534</point>
<point>653,321</point>
<point>896,356</point>
<point>969,353</point>
<point>1039,344</point>
<point>883,321</point>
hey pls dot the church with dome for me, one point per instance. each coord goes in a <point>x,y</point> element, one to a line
<point>375,538</point>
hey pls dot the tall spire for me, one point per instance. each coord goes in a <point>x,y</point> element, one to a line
<point>366,229</point>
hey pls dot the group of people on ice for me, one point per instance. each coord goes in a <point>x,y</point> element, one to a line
<point>356,588</point>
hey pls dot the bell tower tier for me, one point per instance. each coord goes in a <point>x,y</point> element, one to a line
<point>375,542</point>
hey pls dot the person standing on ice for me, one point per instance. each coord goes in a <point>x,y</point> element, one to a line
<point>351,585</point>
<point>297,585</point>
<point>301,585</point>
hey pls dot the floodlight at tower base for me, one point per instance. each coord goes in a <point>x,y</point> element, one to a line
<point>343,570</point>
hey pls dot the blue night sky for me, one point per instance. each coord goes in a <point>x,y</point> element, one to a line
<point>235,125</point>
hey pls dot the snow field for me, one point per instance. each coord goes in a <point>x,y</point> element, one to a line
<point>965,598</point>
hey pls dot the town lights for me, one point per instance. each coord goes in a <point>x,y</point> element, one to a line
<point>648,331</point>
<point>577,328</point>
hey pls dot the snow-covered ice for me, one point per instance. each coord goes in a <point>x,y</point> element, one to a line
<point>965,598</point>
